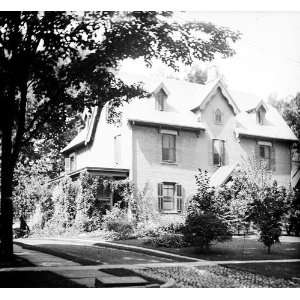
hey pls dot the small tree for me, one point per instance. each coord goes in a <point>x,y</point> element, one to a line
<point>267,211</point>
<point>201,229</point>
<point>205,220</point>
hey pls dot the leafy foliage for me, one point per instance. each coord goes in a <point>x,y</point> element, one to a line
<point>292,217</point>
<point>167,240</point>
<point>201,229</point>
<point>53,62</point>
<point>117,220</point>
<point>197,75</point>
<point>267,211</point>
<point>205,221</point>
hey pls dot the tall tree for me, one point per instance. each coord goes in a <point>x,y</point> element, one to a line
<point>197,75</point>
<point>290,110</point>
<point>54,61</point>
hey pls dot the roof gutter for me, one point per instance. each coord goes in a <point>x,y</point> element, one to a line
<point>160,124</point>
<point>266,137</point>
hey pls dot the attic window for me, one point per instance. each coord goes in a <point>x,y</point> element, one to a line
<point>260,115</point>
<point>218,117</point>
<point>160,100</point>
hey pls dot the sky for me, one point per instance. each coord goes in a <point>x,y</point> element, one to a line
<point>267,59</point>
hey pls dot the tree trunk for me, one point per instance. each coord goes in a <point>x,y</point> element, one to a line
<point>7,167</point>
<point>269,249</point>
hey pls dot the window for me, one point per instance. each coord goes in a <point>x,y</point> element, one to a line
<point>168,148</point>
<point>260,115</point>
<point>170,197</point>
<point>218,117</point>
<point>160,100</point>
<point>72,162</point>
<point>265,155</point>
<point>117,149</point>
<point>105,197</point>
<point>218,152</point>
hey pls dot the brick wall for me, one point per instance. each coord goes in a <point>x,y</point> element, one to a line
<point>194,152</point>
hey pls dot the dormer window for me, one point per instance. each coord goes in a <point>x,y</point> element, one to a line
<point>260,115</point>
<point>160,100</point>
<point>218,117</point>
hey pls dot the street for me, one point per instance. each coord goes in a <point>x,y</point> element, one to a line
<point>45,263</point>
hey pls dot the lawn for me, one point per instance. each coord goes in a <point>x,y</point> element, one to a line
<point>238,248</point>
<point>245,249</point>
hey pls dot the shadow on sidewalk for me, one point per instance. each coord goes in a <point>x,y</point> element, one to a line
<point>58,252</point>
<point>35,279</point>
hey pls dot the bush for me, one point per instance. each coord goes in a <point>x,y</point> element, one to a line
<point>202,229</point>
<point>267,211</point>
<point>117,221</point>
<point>168,240</point>
<point>292,218</point>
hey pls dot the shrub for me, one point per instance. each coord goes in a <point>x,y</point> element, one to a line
<point>147,229</point>
<point>267,211</point>
<point>168,240</point>
<point>176,228</point>
<point>117,221</point>
<point>201,229</point>
<point>292,218</point>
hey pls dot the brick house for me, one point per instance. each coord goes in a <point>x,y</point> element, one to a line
<point>162,140</point>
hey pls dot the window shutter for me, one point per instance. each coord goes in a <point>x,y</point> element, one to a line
<point>160,196</point>
<point>273,161</point>
<point>67,165</point>
<point>178,188</point>
<point>223,152</point>
<point>117,149</point>
<point>256,153</point>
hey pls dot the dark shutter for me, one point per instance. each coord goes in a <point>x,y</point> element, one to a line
<point>67,165</point>
<point>178,189</point>
<point>160,196</point>
<point>273,160</point>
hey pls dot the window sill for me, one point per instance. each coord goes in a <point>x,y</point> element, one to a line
<point>169,163</point>
<point>170,212</point>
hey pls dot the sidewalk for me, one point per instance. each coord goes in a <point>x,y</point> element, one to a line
<point>46,270</point>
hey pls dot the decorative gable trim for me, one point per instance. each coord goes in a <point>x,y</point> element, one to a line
<point>218,86</point>
<point>161,87</point>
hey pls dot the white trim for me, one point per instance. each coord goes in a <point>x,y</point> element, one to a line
<point>263,143</point>
<point>161,87</point>
<point>168,131</point>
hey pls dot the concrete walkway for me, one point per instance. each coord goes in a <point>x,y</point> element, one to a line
<point>93,243</point>
<point>47,270</point>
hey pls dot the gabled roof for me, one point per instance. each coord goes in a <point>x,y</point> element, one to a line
<point>172,119</point>
<point>218,84</point>
<point>275,127</point>
<point>184,98</point>
<point>85,136</point>
<point>221,175</point>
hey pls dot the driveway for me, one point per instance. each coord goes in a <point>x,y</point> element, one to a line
<point>85,254</point>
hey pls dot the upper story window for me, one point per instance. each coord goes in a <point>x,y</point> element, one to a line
<point>218,152</point>
<point>169,148</point>
<point>72,162</point>
<point>160,100</point>
<point>218,117</point>
<point>117,149</point>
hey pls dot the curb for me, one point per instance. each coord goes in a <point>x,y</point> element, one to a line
<point>148,251</point>
<point>152,252</point>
